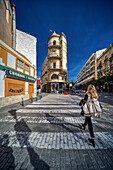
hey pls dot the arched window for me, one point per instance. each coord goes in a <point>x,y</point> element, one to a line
<point>54,42</point>
<point>54,76</point>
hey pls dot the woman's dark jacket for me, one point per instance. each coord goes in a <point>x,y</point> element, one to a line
<point>83,101</point>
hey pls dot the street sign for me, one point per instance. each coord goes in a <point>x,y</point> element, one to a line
<point>55,82</point>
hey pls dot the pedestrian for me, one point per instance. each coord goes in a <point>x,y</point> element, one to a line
<point>90,94</point>
<point>39,91</point>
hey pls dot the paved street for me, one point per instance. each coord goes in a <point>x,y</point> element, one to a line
<point>47,134</point>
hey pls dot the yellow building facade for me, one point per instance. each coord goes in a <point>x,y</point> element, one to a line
<point>54,68</point>
<point>105,67</point>
<point>105,62</point>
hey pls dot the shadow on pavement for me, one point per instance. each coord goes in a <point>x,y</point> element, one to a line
<point>57,121</point>
<point>9,161</point>
<point>64,125</point>
<point>23,133</point>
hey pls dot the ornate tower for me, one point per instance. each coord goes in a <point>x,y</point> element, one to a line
<point>56,63</point>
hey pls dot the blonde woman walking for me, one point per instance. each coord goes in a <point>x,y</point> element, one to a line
<point>92,93</point>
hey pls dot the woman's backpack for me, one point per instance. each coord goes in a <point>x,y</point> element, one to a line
<point>92,107</point>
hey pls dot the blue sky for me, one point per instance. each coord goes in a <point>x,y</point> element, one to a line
<point>87,24</point>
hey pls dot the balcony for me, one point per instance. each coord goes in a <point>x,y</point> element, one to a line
<point>99,67</point>
<point>54,55</point>
<point>106,70</point>
<point>111,58</point>
<point>93,65</point>
<point>92,71</point>
<point>111,68</point>
<point>51,45</point>
<point>92,60</point>
<point>52,68</point>
<point>106,59</point>
<point>87,69</point>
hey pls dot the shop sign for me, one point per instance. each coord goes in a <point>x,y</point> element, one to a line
<point>19,75</point>
<point>38,81</point>
<point>16,91</point>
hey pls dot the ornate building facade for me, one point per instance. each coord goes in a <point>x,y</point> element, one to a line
<point>54,68</point>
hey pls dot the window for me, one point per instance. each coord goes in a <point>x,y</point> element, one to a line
<point>54,42</point>
<point>54,76</point>
<point>26,68</point>
<point>60,42</point>
<point>54,65</point>
<point>60,63</point>
<point>19,64</point>
<point>106,66</point>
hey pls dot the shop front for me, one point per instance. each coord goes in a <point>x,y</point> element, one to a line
<point>14,87</point>
<point>17,83</point>
<point>56,87</point>
<point>14,83</point>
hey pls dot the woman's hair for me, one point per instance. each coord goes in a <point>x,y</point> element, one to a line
<point>91,91</point>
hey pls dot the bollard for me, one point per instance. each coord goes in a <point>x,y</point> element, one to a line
<point>31,99</point>
<point>40,96</point>
<point>22,102</point>
<point>36,98</point>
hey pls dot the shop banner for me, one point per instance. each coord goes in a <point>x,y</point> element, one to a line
<point>19,75</point>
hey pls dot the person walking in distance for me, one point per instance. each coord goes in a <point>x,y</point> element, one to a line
<point>91,93</point>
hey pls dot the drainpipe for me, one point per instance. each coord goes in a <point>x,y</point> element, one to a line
<point>14,25</point>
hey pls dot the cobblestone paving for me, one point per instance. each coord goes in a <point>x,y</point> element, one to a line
<point>47,135</point>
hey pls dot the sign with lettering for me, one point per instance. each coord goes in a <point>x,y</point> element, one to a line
<point>16,91</point>
<point>19,75</point>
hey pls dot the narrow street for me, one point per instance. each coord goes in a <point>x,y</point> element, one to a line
<point>47,134</point>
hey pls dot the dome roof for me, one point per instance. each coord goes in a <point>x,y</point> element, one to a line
<point>53,35</point>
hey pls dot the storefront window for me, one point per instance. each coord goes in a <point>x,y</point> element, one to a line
<point>19,64</point>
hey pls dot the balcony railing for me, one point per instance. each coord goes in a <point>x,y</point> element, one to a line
<point>106,59</point>
<point>54,55</point>
<point>93,65</point>
<point>111,65</point>
<point>92,60</point>
<point>106,69</point>
<point>52,68</point>
<point>57,45</point>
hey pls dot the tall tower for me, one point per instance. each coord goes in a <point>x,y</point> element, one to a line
<point>56,63</point>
